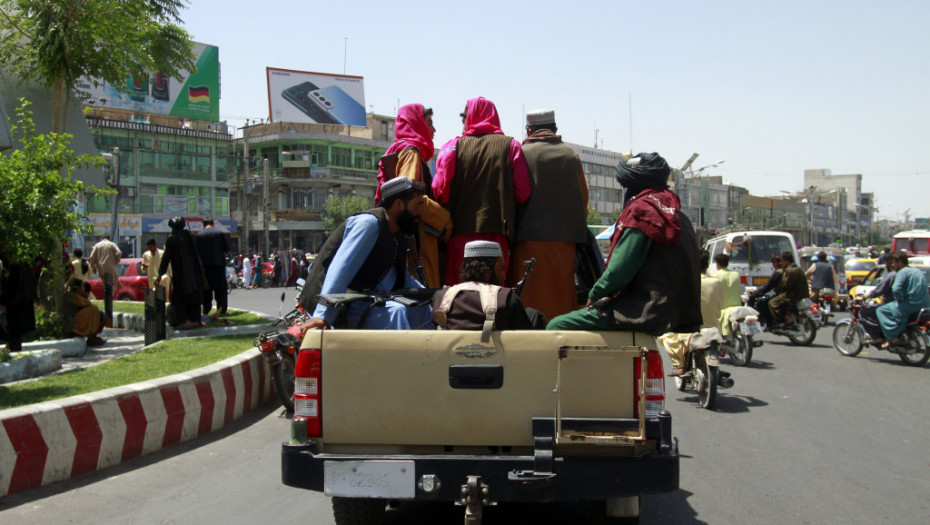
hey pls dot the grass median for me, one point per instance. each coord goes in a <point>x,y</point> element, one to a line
<point>234,317</point>
<point>173,356</point>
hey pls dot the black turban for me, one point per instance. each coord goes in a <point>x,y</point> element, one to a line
<point>646,170</point>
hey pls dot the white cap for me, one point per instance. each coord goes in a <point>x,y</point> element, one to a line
<point>483,249</point>
<point>539,117</point>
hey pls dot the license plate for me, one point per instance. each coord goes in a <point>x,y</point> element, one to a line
<point>826,307</point>
<point>760,281</point>
<point>369,479</point>
<point>749,328</point>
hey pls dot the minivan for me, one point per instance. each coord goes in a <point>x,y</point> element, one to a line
<point>751,253</point>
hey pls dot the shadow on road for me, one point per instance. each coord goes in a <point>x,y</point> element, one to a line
<point>29,496</point>
<point>672,508</point>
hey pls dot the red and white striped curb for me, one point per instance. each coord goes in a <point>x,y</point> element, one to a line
<point>48,442</point>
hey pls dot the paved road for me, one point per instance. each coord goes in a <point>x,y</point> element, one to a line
<point>805,436</point>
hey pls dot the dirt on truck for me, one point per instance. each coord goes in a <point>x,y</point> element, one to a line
<point>444,416</point>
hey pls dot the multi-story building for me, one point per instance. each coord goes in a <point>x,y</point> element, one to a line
<point>600,169</point>
<point>287,170</point>
<point>167,167</point>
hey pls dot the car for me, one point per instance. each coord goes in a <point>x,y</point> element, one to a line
<point>874,277</point>
<point>857,269</point>
<point>132,286</point>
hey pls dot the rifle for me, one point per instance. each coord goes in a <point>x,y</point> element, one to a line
<point>600,306</point>
<point>415,261</point>
<point>529,269</point>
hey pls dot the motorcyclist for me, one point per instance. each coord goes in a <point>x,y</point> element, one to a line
<point>794,289</point>
<point>821,275</point>
<point>867,315</point>
<point>758,298</point>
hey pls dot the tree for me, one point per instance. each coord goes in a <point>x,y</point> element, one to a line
<point>39,196</point>
<point>616,215</point>
<point>59,41</point>
<point>594,216</point>
<point>336,209</point>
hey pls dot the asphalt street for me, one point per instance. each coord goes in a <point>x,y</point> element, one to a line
<point>805,436</point>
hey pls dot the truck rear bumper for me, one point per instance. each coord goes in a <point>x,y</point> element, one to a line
<point>507,477</point>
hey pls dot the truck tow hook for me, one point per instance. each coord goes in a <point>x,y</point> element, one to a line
<point>474,497</point>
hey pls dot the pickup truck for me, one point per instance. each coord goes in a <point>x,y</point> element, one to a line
<point>444,416</point>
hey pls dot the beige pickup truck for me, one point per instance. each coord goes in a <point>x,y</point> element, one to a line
<point>442,416</point>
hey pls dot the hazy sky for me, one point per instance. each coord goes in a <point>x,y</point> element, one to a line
<point>771,87</point>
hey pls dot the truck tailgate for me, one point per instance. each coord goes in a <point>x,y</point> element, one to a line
<point>448,388</point>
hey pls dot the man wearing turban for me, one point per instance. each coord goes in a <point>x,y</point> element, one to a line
<point>651,282</point>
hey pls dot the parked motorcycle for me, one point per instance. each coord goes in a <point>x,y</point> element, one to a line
<point>804,329</point>
<point>744,324</point>
<point>849,337</point>
<point>703,375</point>
<point>280,352</point>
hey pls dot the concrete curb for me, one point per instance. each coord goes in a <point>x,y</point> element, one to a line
<point>28,364</point>
<point>70,347</point>
<point>57,440</point>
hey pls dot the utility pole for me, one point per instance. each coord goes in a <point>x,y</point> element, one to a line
<point>243,198</point>
<point>114,213</point>
<point>266,202</point>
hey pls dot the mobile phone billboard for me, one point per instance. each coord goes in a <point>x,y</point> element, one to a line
<point>321,98</point>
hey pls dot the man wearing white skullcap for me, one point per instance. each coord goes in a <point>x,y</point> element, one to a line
<point>479,302</point>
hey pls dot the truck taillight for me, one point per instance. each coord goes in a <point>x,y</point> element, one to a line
<point>655,385</point>
<point>307,392</point>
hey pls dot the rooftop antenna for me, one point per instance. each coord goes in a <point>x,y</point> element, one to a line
<point>345,54</point>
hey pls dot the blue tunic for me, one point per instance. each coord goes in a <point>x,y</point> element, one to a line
<point>360,236</point>
<point>910,293</point>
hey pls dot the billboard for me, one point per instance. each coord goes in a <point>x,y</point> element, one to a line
<point>321,98</point>
<point>195,96</point>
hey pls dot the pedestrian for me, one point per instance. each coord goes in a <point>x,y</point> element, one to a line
<point>413,147</point>
<point>481,176</point>
<point>293,272</point>
<point>82,317</point>
<point>188,280</point>
<point>80,268</point>
<point>552,221</point>
<point>104,260</point>
<point>18,294</point>
<point>652,280</point>
<point>247,272</point>
<point>213,246</point>
<point>151,260</point>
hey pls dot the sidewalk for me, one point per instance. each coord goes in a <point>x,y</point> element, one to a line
<point>57,440</point>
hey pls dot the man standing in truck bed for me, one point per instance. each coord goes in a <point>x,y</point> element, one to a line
<point>553,219</point>
<point>364,253</point>
<point>652,280</point>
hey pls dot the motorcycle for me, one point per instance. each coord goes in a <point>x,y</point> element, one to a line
<point>744,324</point>
<point>824,305</point>
<point>703,376</point>
<point>804,329</point>
<point>280,352</point>
<point>849,337</point>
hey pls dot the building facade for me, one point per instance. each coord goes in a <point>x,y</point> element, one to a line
<point>166,167</point>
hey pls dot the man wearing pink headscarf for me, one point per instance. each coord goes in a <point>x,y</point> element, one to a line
<point>413,142</point>
<point>480,178</point>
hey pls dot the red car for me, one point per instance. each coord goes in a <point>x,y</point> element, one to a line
<point>132,282</point>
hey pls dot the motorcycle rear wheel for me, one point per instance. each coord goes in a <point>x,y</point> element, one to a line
<point>916,337</point>
<point>283,375</point>
<point>809,332</point>
<point>741,351</point>
<point>705,383</point>
<point>847,338</point>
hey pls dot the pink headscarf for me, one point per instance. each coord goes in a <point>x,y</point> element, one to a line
<point>410,129</point>
<point>481,118</point>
